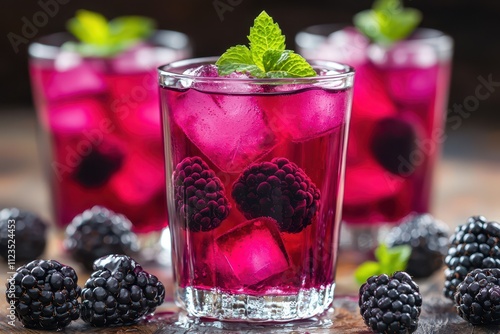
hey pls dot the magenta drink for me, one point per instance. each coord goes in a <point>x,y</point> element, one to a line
<point>397,119</point>
<point>102,117</point>
<point>254,179</point>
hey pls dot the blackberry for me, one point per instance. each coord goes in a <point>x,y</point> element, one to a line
<point>199,195</point>
<point>24,230</point>
<point>478,297</point>
<point>390,304</point>
<point>278,189</point>
<point>474,245</point>
<point>394,139</point>
<point>96,168</point>
<point>119,292</point>
<point>428,239</point>
<point>45,294</point>
<point>98,232</point>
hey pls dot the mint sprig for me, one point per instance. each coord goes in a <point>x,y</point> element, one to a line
<point>99,37</point>
<point>266,56</point>
<point>388,21</point>
<point>389,260</point>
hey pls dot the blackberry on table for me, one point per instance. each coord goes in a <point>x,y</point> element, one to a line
<point>119,292</point>
<point>45,294</point>
<point>428,239</point>
<point>478,297</point>
<point>26,230</point>
<point>390,304</point>
<point>278,189</point>
<point>474,245</point>
<point>199,195</point>
<point>98,232</point>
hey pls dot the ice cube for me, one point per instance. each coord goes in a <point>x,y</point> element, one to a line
<point>411,71</point>
<point>140,178</point>
<point>307,114</point>
<point>140,58</point>
<point>413,86</point>
<point>371,98</point>
<point>346,46</point>
<point>230,130</point>
<point>76,115</point>
<point>254,250</point>
<point>72,78</point>
<point>368,182</point>
<point>143,120</point>
<point>203,71</point>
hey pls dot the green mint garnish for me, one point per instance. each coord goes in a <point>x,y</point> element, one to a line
<point>388,21</point>
<point>389,260</point>
<point>102,38</point>
<point>266,56</point>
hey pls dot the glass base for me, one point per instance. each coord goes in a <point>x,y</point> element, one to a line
<point>241,307</point>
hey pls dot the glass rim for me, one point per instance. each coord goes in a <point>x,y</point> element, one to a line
<point>164,71</point>
<point>43,48</point>
<point>421,34</point>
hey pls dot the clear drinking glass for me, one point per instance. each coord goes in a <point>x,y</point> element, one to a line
<point>254,186</point>
<point>102,119</point>
<point>397,125</point>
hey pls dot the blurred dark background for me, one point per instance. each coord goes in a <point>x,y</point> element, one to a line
<point>474,25</point>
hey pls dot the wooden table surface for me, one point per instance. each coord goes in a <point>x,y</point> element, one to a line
<point>463,187</point>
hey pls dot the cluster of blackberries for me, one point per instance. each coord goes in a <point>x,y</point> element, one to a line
<point>391,304</point>
<point>46,294</point>
<point>278,189</point>
<point>472,273</point>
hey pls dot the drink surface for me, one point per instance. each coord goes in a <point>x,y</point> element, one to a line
<point>396,125</point>
<point>256,181</point>
<point>103,122</point>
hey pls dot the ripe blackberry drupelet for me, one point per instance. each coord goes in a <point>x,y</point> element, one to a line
<point>199,195</point>
<point>390,304</point>
<point>478,297</point>
<point>98,232</point>
<point>25,229</point>
<point>119,292</point>
<point>278,189</point>
<point>428,239</point>
<point>475,245</point>
<point>45,294</point>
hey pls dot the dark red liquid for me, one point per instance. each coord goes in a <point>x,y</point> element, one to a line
<point>248,254</point>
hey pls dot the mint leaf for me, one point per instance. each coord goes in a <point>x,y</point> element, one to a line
<point>286,64</point>
<point>131,28</point>
<point>265,35</point>
<point>387,22</point>
<point>266,57</point>
<point>100,38</point>
<point>89,27</point>
<point>366,270</point>
<point>237,59</point>
<point>389,260</point>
